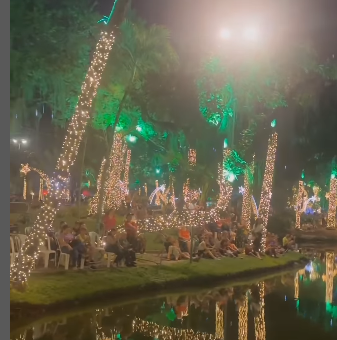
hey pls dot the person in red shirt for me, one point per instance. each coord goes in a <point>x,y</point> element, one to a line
<point>110,221</point>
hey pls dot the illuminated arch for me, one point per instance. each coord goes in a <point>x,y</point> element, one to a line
<point>159,189</point>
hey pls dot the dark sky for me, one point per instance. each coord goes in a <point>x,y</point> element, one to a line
<point>198,22</point>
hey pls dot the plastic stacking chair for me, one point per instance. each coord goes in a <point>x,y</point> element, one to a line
<point>13,252</point>
<point>45,252</point>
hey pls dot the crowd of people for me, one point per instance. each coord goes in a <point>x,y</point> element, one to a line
<point>226,237</point>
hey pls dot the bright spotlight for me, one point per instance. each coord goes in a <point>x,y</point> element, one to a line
<point>225,34</point>
<point>132,139</point>
<point>138,128</point>
<point>15,141</point>
<point>231,177</point>
<point>251,34</point>
<point>24,141</point>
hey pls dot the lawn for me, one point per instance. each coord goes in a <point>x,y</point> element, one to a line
<point>47,289</point>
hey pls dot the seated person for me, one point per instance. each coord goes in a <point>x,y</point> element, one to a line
<point>76,228</point>
<point>204,251</point>
<point>287,242</point>
<point>84,246</point>
<point>184,239</point>
<point>126,251</point>
<point>271,245</point>
<point>131,230</point>
<point>64,239</point>
<point>174,252</point>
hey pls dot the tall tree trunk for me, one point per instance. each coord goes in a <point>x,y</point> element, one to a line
<point>81,173</point>
<point>107,163</point>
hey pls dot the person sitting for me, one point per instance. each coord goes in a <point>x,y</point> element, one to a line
<point>249,250</point>
<point>64,239</point>
<point>131,230</point>
<point>109,221</point>
<point>126,251</point>
<point>184,240</point>
<point>174,252</point>
<point>204,251</point>
<point>287,242</point>
<point>76,228</point>
<point>84,247</point>
<point>271,246</point>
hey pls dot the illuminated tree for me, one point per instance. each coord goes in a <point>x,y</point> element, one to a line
<point>59,182</point>
<point>135,51</point>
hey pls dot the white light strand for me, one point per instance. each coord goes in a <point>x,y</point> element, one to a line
<point>299,203</point>
<point>331,223</point>
<point>247,195</point>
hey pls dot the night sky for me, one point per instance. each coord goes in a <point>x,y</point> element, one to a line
<point>195,24</point>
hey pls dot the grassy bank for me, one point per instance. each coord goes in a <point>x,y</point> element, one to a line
<point>47,290</point>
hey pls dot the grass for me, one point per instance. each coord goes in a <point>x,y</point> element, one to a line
<point>50,289</point>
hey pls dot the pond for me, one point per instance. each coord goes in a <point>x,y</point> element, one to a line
<point>300,304</point>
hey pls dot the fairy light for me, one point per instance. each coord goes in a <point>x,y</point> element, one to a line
<point>329,274</point>
<point>127,168</point>
<point>192,157</point>
<point>155,331</point>
<point>299,204</point>
<point>266,192</point>
<point>219,323</point>
<point>296,286</point>
<point>41,190</point>
<point>24,170</point>
<point>171,187</point>
<point>226,188</point>
<point>145,189</point>
<point>190,195</point>
<point>30,250</point>
<point>246,198</point>
<point>259,321</point>
<point>157,201</point>
<point>94,202</point>
<point>243,320</point>
<point>331,222</point>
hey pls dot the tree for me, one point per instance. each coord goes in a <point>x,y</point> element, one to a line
<point>141,50</point>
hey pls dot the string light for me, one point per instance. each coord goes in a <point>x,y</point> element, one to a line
<point>266,192</point>
<point>246,198</point>
<point>243,320</point>
<point>30,250</point>
<point>41,190</point>
<point>157,201</point>
<point>329,274</point>
<point>219,322</point>
<point>155,331</point>
<point>331,223</point>
<point>171,188</point>
<point>94,202</point>
<point>226,188</point>
<point>145,189</point>
<point>191,195</point>
<point>259,321</point>
<point>299,204</point>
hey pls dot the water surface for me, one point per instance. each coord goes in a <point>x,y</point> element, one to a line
<point>293,305</point>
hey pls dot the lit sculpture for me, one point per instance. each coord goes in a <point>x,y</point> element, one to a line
<point>259,321</point>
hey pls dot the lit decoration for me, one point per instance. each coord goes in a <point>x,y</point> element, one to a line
<point>30,250</point>
<point>254,207</point>
<point>329,274</point>
<point>94,202</point>
<point>243,320</point>
<point>246,198</point>
<point>25,169</point>
<point>259,321</point>
<point>299,204</point>
<point>171,189</point>
<point>127,168</point>
<point>226,188</point>
<point>191,195</point>
<point>157,195</point>
<point>296,286</point>
<point>331,222</point>
<point>266,192</point>
<point>155,331</point>
<point>145,189</point>
<point>219,322</point>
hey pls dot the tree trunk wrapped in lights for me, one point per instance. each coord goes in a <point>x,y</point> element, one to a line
<point>243,320</point>
<point>247,195</point>
<point>259,321</point>
<point>329,275</point>
<point>296,286</point>
<point>332,203</point>
<point>299,202</point>
<point>266,192</point>
<point>190,195</point>
<point>94,201</point>
<point>226,188</point>
<point>25,261</point>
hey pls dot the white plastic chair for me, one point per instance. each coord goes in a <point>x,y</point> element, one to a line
<point>110,256</point>
<point>28,230</point>
<point>46,251</point>
<point>21,238</point>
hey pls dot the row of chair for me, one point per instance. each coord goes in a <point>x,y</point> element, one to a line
<point>17,241</point>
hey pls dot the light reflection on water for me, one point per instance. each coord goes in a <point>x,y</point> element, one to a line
<point>289,306</point>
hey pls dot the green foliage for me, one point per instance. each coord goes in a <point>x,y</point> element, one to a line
<point>50,51</point>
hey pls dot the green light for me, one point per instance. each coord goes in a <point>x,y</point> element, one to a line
<point>273,123</point>
<point>333,176</point>
<point>302,175</point>
<point>225,143</point>
<point>131,139</point>
<point>157,171</point>
<point>139,128</point>
<point>231,177</point>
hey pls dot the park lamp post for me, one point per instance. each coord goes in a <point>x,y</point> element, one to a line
<point>19,142</point>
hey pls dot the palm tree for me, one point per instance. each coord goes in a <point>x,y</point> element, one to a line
<point>142,50</point>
